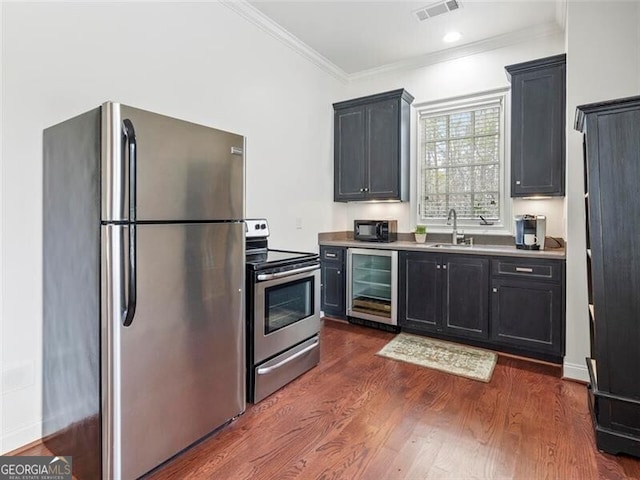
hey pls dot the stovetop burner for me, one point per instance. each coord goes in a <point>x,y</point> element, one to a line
<point>259,256</point>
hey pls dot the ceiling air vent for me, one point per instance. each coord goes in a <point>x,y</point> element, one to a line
<point>437,8</point>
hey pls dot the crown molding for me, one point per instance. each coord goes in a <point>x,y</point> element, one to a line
<point>255,16</point>
<point>493,43</point>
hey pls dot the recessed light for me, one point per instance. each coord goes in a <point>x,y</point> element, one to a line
<point>452,37</point>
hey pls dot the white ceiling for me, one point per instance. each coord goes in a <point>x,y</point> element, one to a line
<point>359,35</point>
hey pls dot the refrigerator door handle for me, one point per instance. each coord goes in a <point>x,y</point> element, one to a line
<point>129,139</point>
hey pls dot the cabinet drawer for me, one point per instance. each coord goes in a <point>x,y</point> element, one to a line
<point>525,268</point>
<point>332,254</point>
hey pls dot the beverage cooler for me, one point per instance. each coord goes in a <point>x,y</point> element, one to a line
<point>372,285</point>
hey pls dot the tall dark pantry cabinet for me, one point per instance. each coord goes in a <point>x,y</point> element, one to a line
<point>612,184</point>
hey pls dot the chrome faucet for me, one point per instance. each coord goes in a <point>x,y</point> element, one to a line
<point>455,238</point>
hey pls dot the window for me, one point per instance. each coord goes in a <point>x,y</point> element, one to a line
<point>460,161</point>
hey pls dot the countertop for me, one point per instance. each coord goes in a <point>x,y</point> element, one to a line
<point>344,239</point>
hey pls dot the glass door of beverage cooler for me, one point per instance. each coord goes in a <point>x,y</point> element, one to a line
<point>372,285</point>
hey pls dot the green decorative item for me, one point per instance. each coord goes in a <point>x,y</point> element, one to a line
<point>421,233</point>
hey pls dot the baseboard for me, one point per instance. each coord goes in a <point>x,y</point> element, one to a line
<point>23,437</point>
<point>24,448</point>
<point>573,371</point>
<point>334,319</point>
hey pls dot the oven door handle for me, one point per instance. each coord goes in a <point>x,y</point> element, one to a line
<point>265,370</point>
<point>270,276</point>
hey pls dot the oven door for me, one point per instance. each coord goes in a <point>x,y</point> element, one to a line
<point>286,310</point>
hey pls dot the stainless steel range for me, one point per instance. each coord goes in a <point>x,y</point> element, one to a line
<point>283,313</point>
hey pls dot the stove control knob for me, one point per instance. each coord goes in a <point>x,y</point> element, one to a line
<point>257,227</point>
<point>263,226</point>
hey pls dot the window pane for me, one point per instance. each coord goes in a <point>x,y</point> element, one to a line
<point>460,180</point>
<point>487,205</point>
<point>486,178</point>
<point>435,180</point>
<point>434,206</point>
<point>442,153</point>
<point>487,121</point>
<point>461,151</point>
<point>429,155</point>
<point>434,128</point>
<point>486,149</point>
<point>463,205</point>
<point>461,124</point>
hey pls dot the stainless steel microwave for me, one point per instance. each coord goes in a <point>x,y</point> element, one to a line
<point>375,230</point>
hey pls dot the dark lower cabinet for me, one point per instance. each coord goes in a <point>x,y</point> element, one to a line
<point>465,295</point>
<point>527,306</point>
<point>419,286</point>
<point>527,314</point>
<point>444,293</point>
<point>510,304</point>
<point>333,281</point>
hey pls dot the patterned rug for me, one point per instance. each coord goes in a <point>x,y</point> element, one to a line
<point>469,362</point>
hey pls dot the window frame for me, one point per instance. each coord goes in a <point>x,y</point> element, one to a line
<point>460,103</point>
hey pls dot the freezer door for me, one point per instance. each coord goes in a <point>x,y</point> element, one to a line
<point>182,171</point>
<point>178,370</point>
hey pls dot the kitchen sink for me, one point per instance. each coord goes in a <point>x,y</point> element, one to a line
<point>450,245</point>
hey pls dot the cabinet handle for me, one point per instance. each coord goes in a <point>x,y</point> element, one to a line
<point>338,272</point>
<point>495,290</point>
<point>517,182</point>
<point>362,189</point>
<point>366,189</point>
<point>330,255</point>
<point>438,267</point>
<point>523,269</point>
<point>444,267</point>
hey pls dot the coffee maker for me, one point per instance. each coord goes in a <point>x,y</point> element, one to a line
<point>530,231</point>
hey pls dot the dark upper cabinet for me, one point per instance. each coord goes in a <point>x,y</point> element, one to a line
<point>371,147</point>
<point>612,169</point>
<point>333,281</point>
<point>538,127</point>
<point>444,293</point>
<point>349,154</point>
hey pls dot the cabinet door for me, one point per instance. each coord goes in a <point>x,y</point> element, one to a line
<point>349,154</point>
<point>537,132</point>
<point>420,291</point>
<point>382,157</point>
<point>466,296</point>
<point>333,286</point>
<point>527,314</point>
<point>614,169</point>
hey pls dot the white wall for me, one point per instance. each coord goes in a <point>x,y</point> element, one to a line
<point>603,60</point>
<point>197,61</point>
<point>1,236</point>
<point>462,76</point>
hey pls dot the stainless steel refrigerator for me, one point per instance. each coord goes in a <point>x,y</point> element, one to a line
<point>143,263</point>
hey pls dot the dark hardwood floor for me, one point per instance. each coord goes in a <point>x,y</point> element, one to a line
<point>360,416</point>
